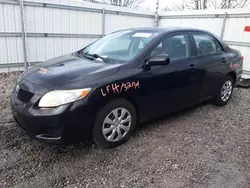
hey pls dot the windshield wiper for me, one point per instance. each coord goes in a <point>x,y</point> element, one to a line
<point>102,58</point>
<point>93,56</point>
<point>88,56</point>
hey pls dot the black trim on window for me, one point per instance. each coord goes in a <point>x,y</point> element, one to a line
<point>193,45</point>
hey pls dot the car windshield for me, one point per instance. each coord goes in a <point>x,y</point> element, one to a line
<point>122,45</point>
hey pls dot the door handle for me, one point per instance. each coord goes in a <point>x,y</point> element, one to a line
<point>224,60</point>
<point>192,68</point>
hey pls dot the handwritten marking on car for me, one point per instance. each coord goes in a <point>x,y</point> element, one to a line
<point>119,88</point>
<point>43,70</point>
<point>234,65</point>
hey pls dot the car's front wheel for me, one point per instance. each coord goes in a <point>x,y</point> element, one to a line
<point>225,92</point>
<point>114,123</point>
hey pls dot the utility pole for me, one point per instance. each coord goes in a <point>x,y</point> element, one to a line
<point>24,35</point>
<point>156,14</point>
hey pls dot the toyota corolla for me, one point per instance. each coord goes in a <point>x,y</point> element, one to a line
<point>104,90</point>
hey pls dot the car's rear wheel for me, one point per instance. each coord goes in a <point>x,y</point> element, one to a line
<point>114,123</point>
<point>225,92</point>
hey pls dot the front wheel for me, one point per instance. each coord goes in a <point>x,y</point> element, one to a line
<point>225,92</point>
<point>114,123</point>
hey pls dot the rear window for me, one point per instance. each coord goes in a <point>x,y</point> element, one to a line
<point>206,44</point>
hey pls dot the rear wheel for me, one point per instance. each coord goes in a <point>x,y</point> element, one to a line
<point>114,123</point>
<point>225,92</point>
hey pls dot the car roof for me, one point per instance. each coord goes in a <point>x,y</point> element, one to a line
<point>166,29</point>
<point>169,29</point>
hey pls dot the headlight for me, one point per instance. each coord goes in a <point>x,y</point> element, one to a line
<point>60,97</point>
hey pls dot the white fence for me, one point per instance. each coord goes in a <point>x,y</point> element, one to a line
<point>57,27</point>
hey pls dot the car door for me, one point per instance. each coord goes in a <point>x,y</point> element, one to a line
<point>170,87</point>
<point>211,62</point>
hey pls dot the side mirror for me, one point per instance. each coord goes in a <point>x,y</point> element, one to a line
<point>159,59</point>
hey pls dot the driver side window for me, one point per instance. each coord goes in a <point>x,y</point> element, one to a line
<point>176,46</point>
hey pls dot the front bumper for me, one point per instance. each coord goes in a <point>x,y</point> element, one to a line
<point>61,125</point>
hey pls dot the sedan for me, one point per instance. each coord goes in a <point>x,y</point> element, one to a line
<point>104,90</point>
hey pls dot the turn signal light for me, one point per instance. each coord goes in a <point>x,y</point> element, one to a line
<point>85,93</point>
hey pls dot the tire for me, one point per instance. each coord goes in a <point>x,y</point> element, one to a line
<point>111,138</point>
<point>219,99</point>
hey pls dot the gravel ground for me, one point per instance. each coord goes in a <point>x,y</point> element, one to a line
<point>206,146</point>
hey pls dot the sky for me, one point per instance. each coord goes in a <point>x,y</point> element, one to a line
<point>163,3</point>
<point>151,4</point>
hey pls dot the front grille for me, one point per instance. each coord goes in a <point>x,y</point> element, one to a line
<point>24,95</point>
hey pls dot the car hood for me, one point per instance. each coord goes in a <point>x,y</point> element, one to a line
<point>68,70</point>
